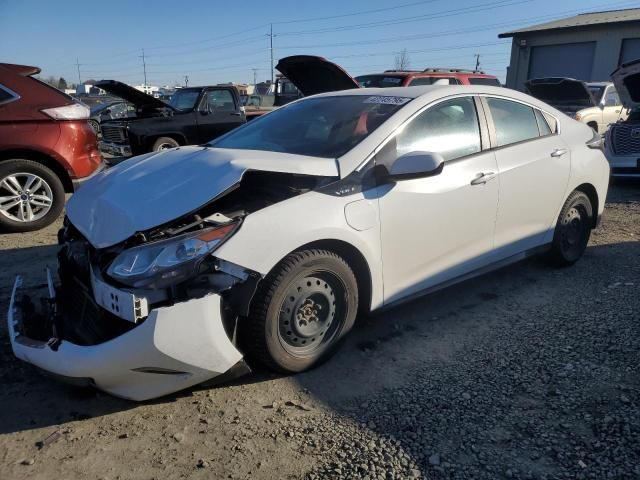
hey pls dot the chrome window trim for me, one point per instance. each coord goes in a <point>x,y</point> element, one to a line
<point>14,95</point>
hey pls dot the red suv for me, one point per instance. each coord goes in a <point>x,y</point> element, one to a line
<point>47,148</point>
<point>428,76</point>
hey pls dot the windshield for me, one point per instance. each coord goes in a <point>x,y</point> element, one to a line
<point>379,81</point>
<point>184,99</point>
<point>318,127</point>
<point>597,91</point>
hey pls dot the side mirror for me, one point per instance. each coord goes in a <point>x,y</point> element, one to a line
<point>416,165</point>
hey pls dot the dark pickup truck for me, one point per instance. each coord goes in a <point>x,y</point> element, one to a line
<point>194,115</point>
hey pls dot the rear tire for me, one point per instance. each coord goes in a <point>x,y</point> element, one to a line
<point>164,143</point>
<point>573,230</point>
<point>301,311</point>
<point>31,196</point>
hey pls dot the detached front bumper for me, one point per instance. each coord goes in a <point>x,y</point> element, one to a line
<point>174,348</point>
<point>114,152</point>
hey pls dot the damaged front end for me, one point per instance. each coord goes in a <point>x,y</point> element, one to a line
<point>155,313</point>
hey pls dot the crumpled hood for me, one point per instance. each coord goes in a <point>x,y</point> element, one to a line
<point>627,81</point>
<point>153,189</point>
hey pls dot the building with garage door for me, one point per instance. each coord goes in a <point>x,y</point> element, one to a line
<point>587,47</point>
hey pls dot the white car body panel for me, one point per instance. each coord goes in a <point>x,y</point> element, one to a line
<point>457,237</point>
<point>413,234</point>
<point>153,189</point>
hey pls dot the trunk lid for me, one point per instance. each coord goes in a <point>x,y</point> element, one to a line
<point>153,189</point>
<point>139,99</point>
<point>627,81</point>
<point>312,75</point>
<point>566,94</point>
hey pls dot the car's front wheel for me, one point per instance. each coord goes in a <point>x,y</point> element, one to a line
<point>31,196</point>
<point>573,230</point>
<point>301,310</point>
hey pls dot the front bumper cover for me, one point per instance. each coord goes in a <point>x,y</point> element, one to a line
<point>174,348</point>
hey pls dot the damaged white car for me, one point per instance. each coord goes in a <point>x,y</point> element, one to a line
<point>266,243</point>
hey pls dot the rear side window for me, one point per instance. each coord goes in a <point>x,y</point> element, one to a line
<point>492,82</point>
<point>7,95</point>
<point>514,122</point>
<point>431,80</point>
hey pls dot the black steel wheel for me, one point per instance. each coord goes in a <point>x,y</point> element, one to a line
<point>573,230</point>
<point>300,311</point>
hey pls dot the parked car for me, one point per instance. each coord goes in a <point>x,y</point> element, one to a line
<point>193,115</point>
<point>266,242</point>
<point>428,76</point>
<point>46,149</point>
<point>623,138</point>
<point>110,111</point>
<point>595,103</point>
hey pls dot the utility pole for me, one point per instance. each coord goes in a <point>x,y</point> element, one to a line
<point>255,76</point>
<point>477,55</point>
<point>144,68</point>
<point>186,80</point>
<point>271,48</point>
<point>78,67</point>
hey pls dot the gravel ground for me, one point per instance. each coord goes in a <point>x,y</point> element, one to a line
<point>528,372</point>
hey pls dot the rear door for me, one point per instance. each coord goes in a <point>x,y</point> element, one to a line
<point>534,164</point>
<point>218,112</point>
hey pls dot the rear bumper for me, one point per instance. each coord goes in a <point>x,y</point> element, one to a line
<point>174,348</point>
<point>78,182</point>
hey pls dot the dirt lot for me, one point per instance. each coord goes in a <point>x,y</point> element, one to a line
<point>528,372</point>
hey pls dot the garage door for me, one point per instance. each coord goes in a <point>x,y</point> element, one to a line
<point>630,50</point>
<point>573,60</point>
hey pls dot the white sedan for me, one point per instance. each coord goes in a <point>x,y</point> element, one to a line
<point>266,243</point>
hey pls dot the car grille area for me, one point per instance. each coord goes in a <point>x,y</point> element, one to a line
<point>113,133</point>
<point>626,139</point>
<point>80,319</point>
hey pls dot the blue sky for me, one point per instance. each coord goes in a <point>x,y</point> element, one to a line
<point>215,42</point>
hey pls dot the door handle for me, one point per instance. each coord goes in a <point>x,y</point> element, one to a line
<point>483,178</point>
<point>558,152</point>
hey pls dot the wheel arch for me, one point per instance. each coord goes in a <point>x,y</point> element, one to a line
<point>356,261</point>
<point>590,191</point>
<point>42,158</point>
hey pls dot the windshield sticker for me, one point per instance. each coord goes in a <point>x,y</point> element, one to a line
<point>387,100</point>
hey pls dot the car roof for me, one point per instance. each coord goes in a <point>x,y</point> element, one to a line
<point>418,91</point>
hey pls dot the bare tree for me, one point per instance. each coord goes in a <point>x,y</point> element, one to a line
<point>403,62</point>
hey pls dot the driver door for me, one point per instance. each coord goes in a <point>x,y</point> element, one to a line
<point>440,227</point>
<point>219,112</point>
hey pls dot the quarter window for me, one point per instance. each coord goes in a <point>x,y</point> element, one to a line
<point>514,122</point>
<point>450,128</point>
<point>6,96</point>
<point>543,126</point>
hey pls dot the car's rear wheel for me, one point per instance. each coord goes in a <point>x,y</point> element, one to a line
<point>301,310</point>
<point>31,195</point>
<point>164,143</point>
<point>573,230</point>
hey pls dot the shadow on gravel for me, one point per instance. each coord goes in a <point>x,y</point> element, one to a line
<point>426,376</point>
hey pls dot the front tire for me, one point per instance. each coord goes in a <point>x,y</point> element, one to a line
<point>301,310</point>
<point>573,230</point>
<point>164,143</point>
<point>31,196</point>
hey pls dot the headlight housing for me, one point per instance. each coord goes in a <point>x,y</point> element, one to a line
<point>167,262</point>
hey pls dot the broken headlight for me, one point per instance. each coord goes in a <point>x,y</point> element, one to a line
<point>167,262</point>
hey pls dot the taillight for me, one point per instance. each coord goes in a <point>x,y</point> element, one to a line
<point>74,111</point>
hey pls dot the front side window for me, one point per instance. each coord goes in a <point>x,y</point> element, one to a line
<point>318,127</point>
<point>514,122</point>
<point>449,128</point>
<point>219,100</point>
<point>612,99</point>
